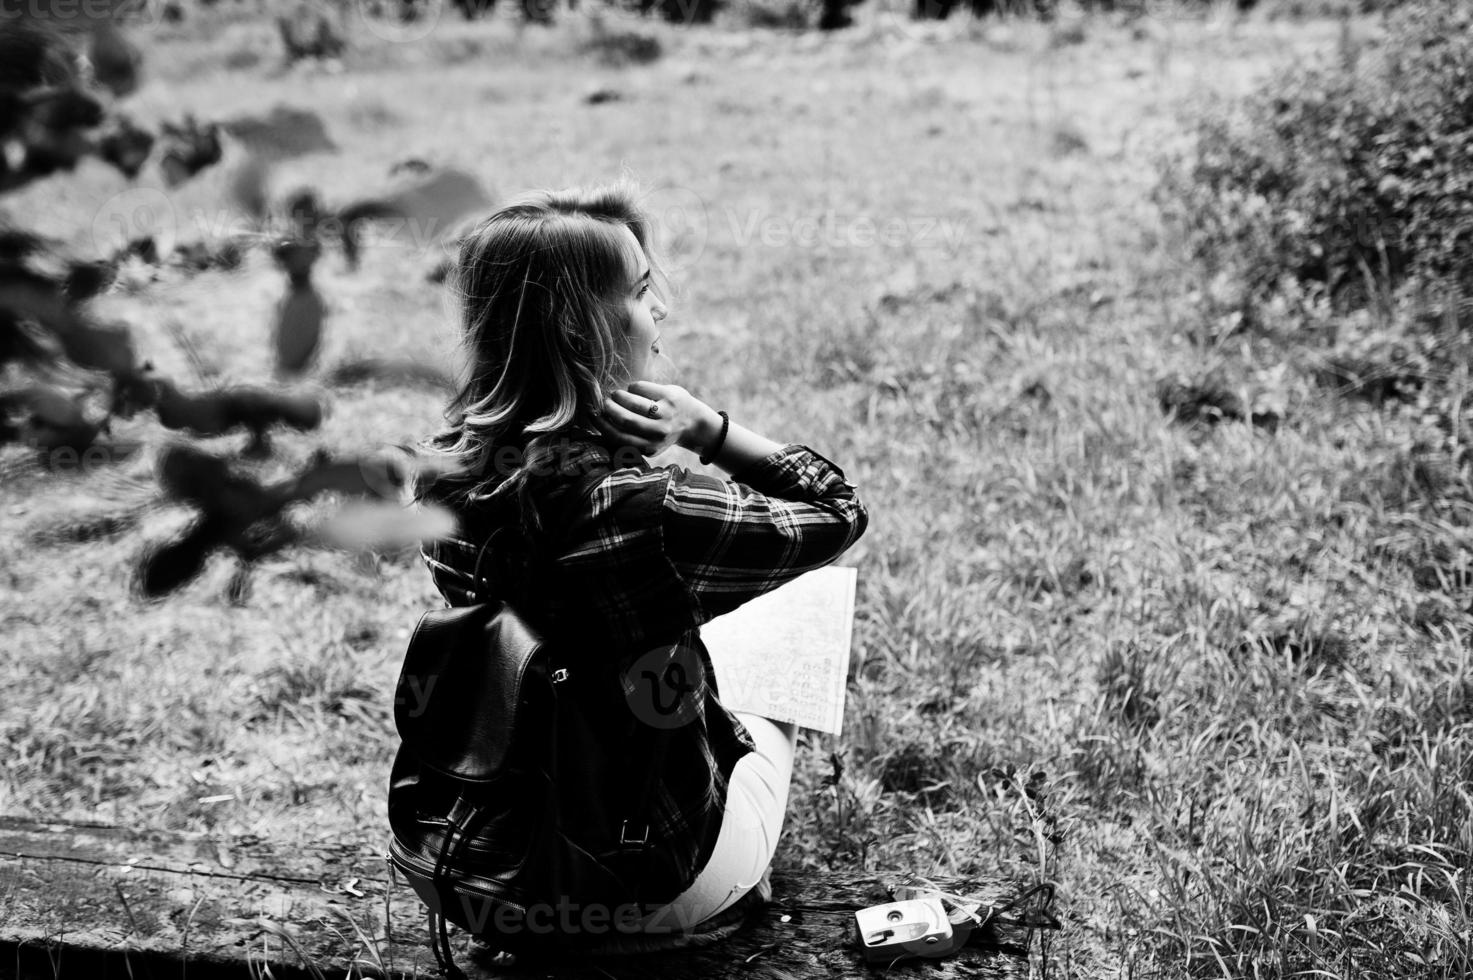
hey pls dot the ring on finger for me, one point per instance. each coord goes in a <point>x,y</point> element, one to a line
<point>654,410</point>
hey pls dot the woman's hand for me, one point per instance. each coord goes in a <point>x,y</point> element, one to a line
<point>680,419</point>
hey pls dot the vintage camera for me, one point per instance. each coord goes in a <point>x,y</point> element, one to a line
<point>914,928</point>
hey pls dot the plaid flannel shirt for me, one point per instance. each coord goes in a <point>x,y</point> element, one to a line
<point>651,554</point>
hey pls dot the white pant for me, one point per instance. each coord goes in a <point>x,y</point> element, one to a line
<point>756,804</point>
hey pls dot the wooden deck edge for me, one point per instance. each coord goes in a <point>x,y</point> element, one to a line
<point>94,901</point>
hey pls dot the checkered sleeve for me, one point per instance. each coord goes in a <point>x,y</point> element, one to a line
<point>733,540</point>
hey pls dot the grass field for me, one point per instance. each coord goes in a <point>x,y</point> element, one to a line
<point>1200,677</point>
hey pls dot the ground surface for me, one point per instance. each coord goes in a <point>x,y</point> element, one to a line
<point>928,254</point>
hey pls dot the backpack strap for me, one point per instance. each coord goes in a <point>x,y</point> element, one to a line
<point>634,829</point>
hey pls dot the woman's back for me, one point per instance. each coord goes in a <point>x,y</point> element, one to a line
<point>641,557</point>
<point>616,560</point>
<point>644,553</point>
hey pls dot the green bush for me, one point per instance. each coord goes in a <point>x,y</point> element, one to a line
<point>619,48</point>
<point>1333,217</point>
<point>1352,174</point>
<point>1329,8</point>
<point>778,14</point>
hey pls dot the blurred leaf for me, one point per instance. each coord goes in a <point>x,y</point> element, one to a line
<point>364,525</point>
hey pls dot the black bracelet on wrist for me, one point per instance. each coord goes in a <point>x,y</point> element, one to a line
<point>720,440</point>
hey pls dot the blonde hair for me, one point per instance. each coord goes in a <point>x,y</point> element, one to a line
<point>541,286</point>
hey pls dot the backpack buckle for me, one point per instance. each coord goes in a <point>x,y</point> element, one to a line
<point>624,834</point>
<point>560,675</point>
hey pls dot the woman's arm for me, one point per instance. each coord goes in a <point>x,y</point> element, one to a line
<point>741,448</point>
<point>787,510</point>
<point>782,515</point>
<point>681,419</point>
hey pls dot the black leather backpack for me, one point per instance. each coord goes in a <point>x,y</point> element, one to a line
<point>514,809</point>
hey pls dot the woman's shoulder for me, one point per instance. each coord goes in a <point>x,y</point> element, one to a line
<point>607,484</point>
<point>578,478</point>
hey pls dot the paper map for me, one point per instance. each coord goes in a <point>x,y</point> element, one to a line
<point>785,655</point>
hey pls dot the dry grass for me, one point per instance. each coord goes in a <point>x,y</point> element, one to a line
<point>1211,681</point>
